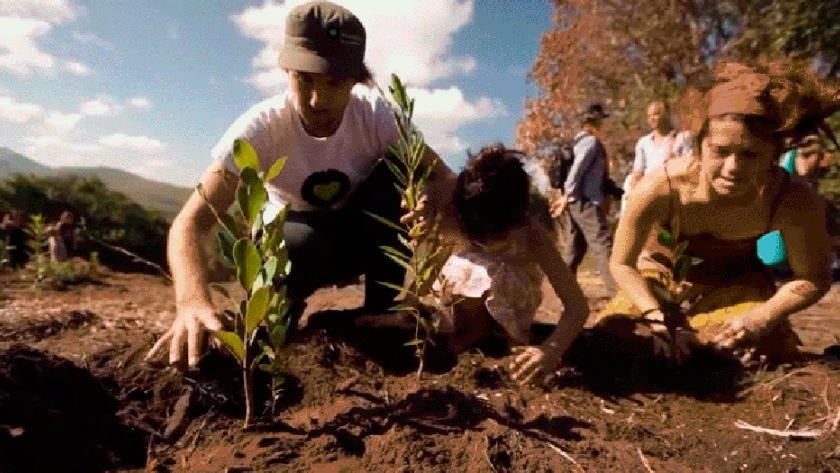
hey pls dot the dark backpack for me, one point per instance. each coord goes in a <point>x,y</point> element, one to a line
<point>559,170</point>
<point>562,164</point>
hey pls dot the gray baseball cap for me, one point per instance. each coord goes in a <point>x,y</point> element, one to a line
<point>324,38</point>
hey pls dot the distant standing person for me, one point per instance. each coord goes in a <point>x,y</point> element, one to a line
<point>62,238</point>
<point>586,225</point>
<point>653,149</point>
<point>14,234</point>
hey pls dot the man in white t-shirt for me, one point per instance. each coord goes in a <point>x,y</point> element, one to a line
<point>653,149</point>
<point>336,130</point>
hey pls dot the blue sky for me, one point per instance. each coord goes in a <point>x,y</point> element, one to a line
<point>150,86</point>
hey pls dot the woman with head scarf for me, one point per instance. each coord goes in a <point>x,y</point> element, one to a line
<point>717,207</point>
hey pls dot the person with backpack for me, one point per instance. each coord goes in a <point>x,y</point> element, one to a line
<point>586,189</point>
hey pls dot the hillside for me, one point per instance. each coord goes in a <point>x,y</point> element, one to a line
<point>165,197</point>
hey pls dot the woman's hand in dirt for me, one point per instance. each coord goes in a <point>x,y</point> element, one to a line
<point>532,363</point>
<point>742,330</point>
<point>188,331</point>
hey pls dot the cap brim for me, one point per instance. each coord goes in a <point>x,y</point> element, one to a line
<point>298,59</point>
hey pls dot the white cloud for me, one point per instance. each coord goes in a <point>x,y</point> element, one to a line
<point>89,38</point>
<point>412,38</point>
<point>62,122</point>
<point>53,11</point>
<point>76,68</point>
<point>19,51</point>
<point>14,111</point>
<point>140,143</point>
<point>140,102</point>
<point>53,141</point>
<point>23,23</point>
<point>54,150</point>
<point>96,108</point>
<point>440,113</point>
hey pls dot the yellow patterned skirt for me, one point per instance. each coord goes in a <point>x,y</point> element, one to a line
<point>713,306</point>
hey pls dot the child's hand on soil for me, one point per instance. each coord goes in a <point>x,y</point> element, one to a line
<point>189,331</point>
<point>530,362</point>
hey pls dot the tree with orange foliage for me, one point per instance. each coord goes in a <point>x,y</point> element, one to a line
<point>628,52</point>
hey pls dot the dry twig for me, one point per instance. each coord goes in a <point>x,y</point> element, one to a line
<point>565,455</point>
<point>802,433</point>
<point>774,382</point>
<point>645,461</point>
<point>487,453</point>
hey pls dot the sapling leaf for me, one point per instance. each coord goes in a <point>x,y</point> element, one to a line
<point>681,268</point>
<point>245,156</point>
<point>252,194</point>
<point>397,172</point>
<point>400,262</point>
<point>275,169</point>
<point>257,226</point>
<point>418,153</point>
<point>386,222</point>
<point>226,242</point>
<point>680,250</point>
<point>257,308</point>
<point>395,252</point>
<point>675,227</point>
<point>661,292</point>
<point>665,238</point>
<point>389,285</point>
<point>405,242</point>
<point>277,335</point>
<point>247,259</point>
<point>414,342</point>
<point>269,269</point>
<point>232,342</point>
<point>283,263</point>
<point>663,260</point>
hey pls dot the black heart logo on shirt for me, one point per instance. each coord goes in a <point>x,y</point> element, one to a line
<point>325,188</point>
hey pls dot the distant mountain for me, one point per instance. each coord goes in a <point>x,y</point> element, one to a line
<point>165,197</point>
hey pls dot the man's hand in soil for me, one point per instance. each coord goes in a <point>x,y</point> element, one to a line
<point>188,331</point>
<point>532,363</point>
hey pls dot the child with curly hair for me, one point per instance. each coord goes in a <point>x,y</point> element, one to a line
<point>493,286</point>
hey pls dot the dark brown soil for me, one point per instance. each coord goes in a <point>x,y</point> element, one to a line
<point>75,396</point>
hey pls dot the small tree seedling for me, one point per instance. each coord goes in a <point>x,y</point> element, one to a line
<point>671,287</point>
<point>261,259</point>
<point>420,253</point>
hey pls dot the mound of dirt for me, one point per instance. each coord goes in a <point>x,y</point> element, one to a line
<point>55,416</point>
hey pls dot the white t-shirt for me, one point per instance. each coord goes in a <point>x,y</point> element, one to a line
<point>319,172</point>
<point>650,156</point>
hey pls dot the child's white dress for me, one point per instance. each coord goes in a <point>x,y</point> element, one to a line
<point>508,281</point>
